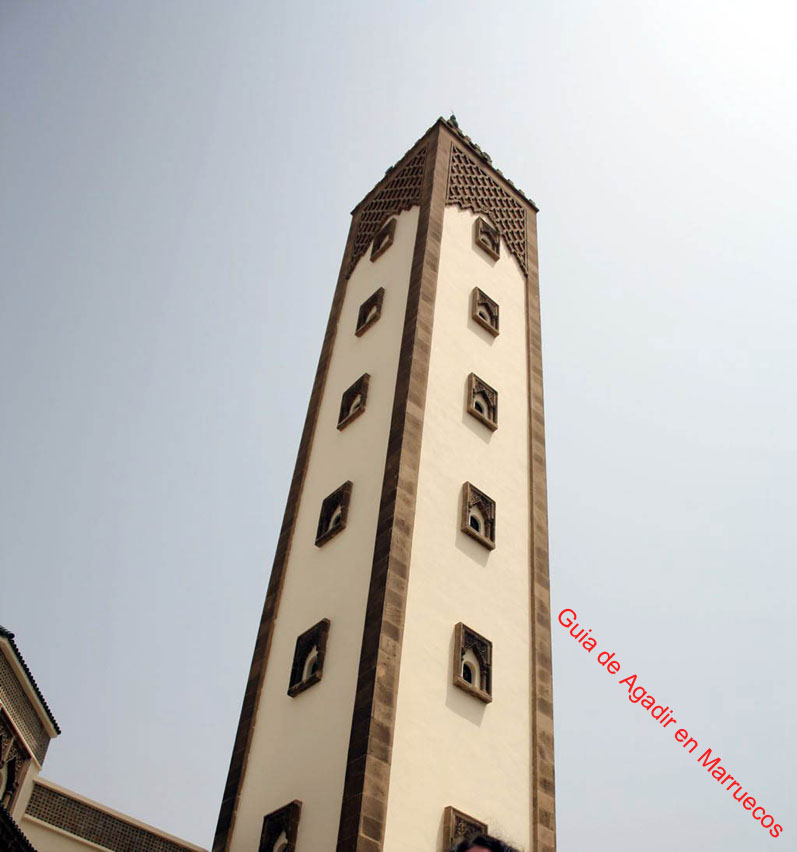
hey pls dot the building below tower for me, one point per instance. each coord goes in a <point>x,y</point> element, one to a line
<point>37,815</point>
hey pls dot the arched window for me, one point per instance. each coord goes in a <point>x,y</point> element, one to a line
<point>281,843</point>
<point>483,401</point>
<point>476,520</point>
<point>478,515</point>
<point>473,660</point>
<point>487,237</point>
<point>484,311</point>
<point>311,664</point>
<point>471,668</point>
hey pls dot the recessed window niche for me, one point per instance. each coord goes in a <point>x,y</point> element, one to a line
<point>334,514</point>
<point>459,826</point>
<point>483,401</point>
<point>485,311</point>
<point>473,663</point>
<point>280,828</point>
<point>487,237</point>
<point>383,239</point>
<point>478,515</point>
<point>308,658</point>
<point>370,311</point>
<point>352,403</point>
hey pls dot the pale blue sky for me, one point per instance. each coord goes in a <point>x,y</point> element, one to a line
<point>164,167</point>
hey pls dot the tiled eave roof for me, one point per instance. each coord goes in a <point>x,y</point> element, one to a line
<point>12,834</point>
<point>9,637</point>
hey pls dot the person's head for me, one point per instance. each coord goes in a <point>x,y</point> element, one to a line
<point>482,843</point>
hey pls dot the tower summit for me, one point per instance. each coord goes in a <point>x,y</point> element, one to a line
<point>400,690</point>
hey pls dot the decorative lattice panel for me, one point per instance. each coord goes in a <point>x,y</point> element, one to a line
<point>470,187</point>
<point>19,708</point>
<point>401,192</point>
<point>96,826</point>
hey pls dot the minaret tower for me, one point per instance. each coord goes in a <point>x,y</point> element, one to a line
<point>400,690</point>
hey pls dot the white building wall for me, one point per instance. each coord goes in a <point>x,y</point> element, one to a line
<point>299,748</point>
<point>449,748</point>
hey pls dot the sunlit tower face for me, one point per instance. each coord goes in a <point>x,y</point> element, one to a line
<point>405,637</point>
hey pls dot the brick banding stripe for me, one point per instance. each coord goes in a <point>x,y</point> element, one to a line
<point>364,805</point>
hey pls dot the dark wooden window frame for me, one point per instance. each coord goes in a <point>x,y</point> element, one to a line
<point>472,496</point>
<point>476,387</point>
<point>383,239</point>
<point>482,300</point>
<point>284,819</point>
<point>364,322</point>
<point>315,637</point>
<point>466,639</point>
<point>487,237</point>
<point>339,497</point>
<point>346,415</point>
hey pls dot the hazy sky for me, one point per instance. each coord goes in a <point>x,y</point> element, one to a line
<point>176,180</point>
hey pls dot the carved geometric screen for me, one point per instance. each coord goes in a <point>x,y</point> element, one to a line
<point>471,188</point>
<point>399,193</point>
<point>458,826</point>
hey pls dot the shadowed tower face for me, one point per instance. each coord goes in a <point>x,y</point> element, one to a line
<point>400,690</point>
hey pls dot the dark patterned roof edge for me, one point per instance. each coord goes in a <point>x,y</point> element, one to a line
<point>19,836</point>
<point>7,634</point>
<point>451,125</point>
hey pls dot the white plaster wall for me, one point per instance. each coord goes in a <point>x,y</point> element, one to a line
<point>450,748</point>
<point>300,744</point>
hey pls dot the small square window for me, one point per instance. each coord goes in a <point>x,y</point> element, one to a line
<point>383,240</point>
<point>458,826</point>
<point>485,311</point>
<point>352,403</point>
<point>473,663</point>
<point>280,829</point>
<point>483,401</point>
<point>370,311</point>
<point>478,515</point>
<point>308,658</point>
<point>334,513</point>
<point>487,238</point>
